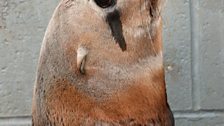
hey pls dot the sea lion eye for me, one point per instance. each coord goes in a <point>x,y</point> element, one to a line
<point>105,3</point>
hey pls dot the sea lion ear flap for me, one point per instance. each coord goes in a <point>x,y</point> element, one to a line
<point>155,7</point>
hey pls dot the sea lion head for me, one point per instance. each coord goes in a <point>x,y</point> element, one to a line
<point>111,42</point>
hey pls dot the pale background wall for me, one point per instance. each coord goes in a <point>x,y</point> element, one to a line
<point>194,58</point>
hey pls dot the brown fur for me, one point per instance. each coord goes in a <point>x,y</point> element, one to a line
<point>118,88</point>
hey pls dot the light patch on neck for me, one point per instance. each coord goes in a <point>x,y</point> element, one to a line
<point>144,30</point>
<point>111,78</point>
<point>154,25</point>
<point>143,67</point>
<point>136,32</point>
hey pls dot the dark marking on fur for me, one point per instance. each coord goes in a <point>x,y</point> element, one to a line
<point>113,19</point>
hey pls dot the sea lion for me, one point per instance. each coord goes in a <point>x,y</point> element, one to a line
<point>101,64</point>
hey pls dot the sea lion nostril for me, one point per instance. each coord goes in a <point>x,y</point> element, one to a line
<point>105,3</point>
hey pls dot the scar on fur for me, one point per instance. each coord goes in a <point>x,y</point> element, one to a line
<point>81,59</point>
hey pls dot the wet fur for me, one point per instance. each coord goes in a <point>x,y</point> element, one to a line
<point>118,88</point>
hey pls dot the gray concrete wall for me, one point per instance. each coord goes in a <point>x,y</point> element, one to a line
<point>194,58</point>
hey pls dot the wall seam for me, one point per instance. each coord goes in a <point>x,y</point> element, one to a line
<point>194,55</point>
